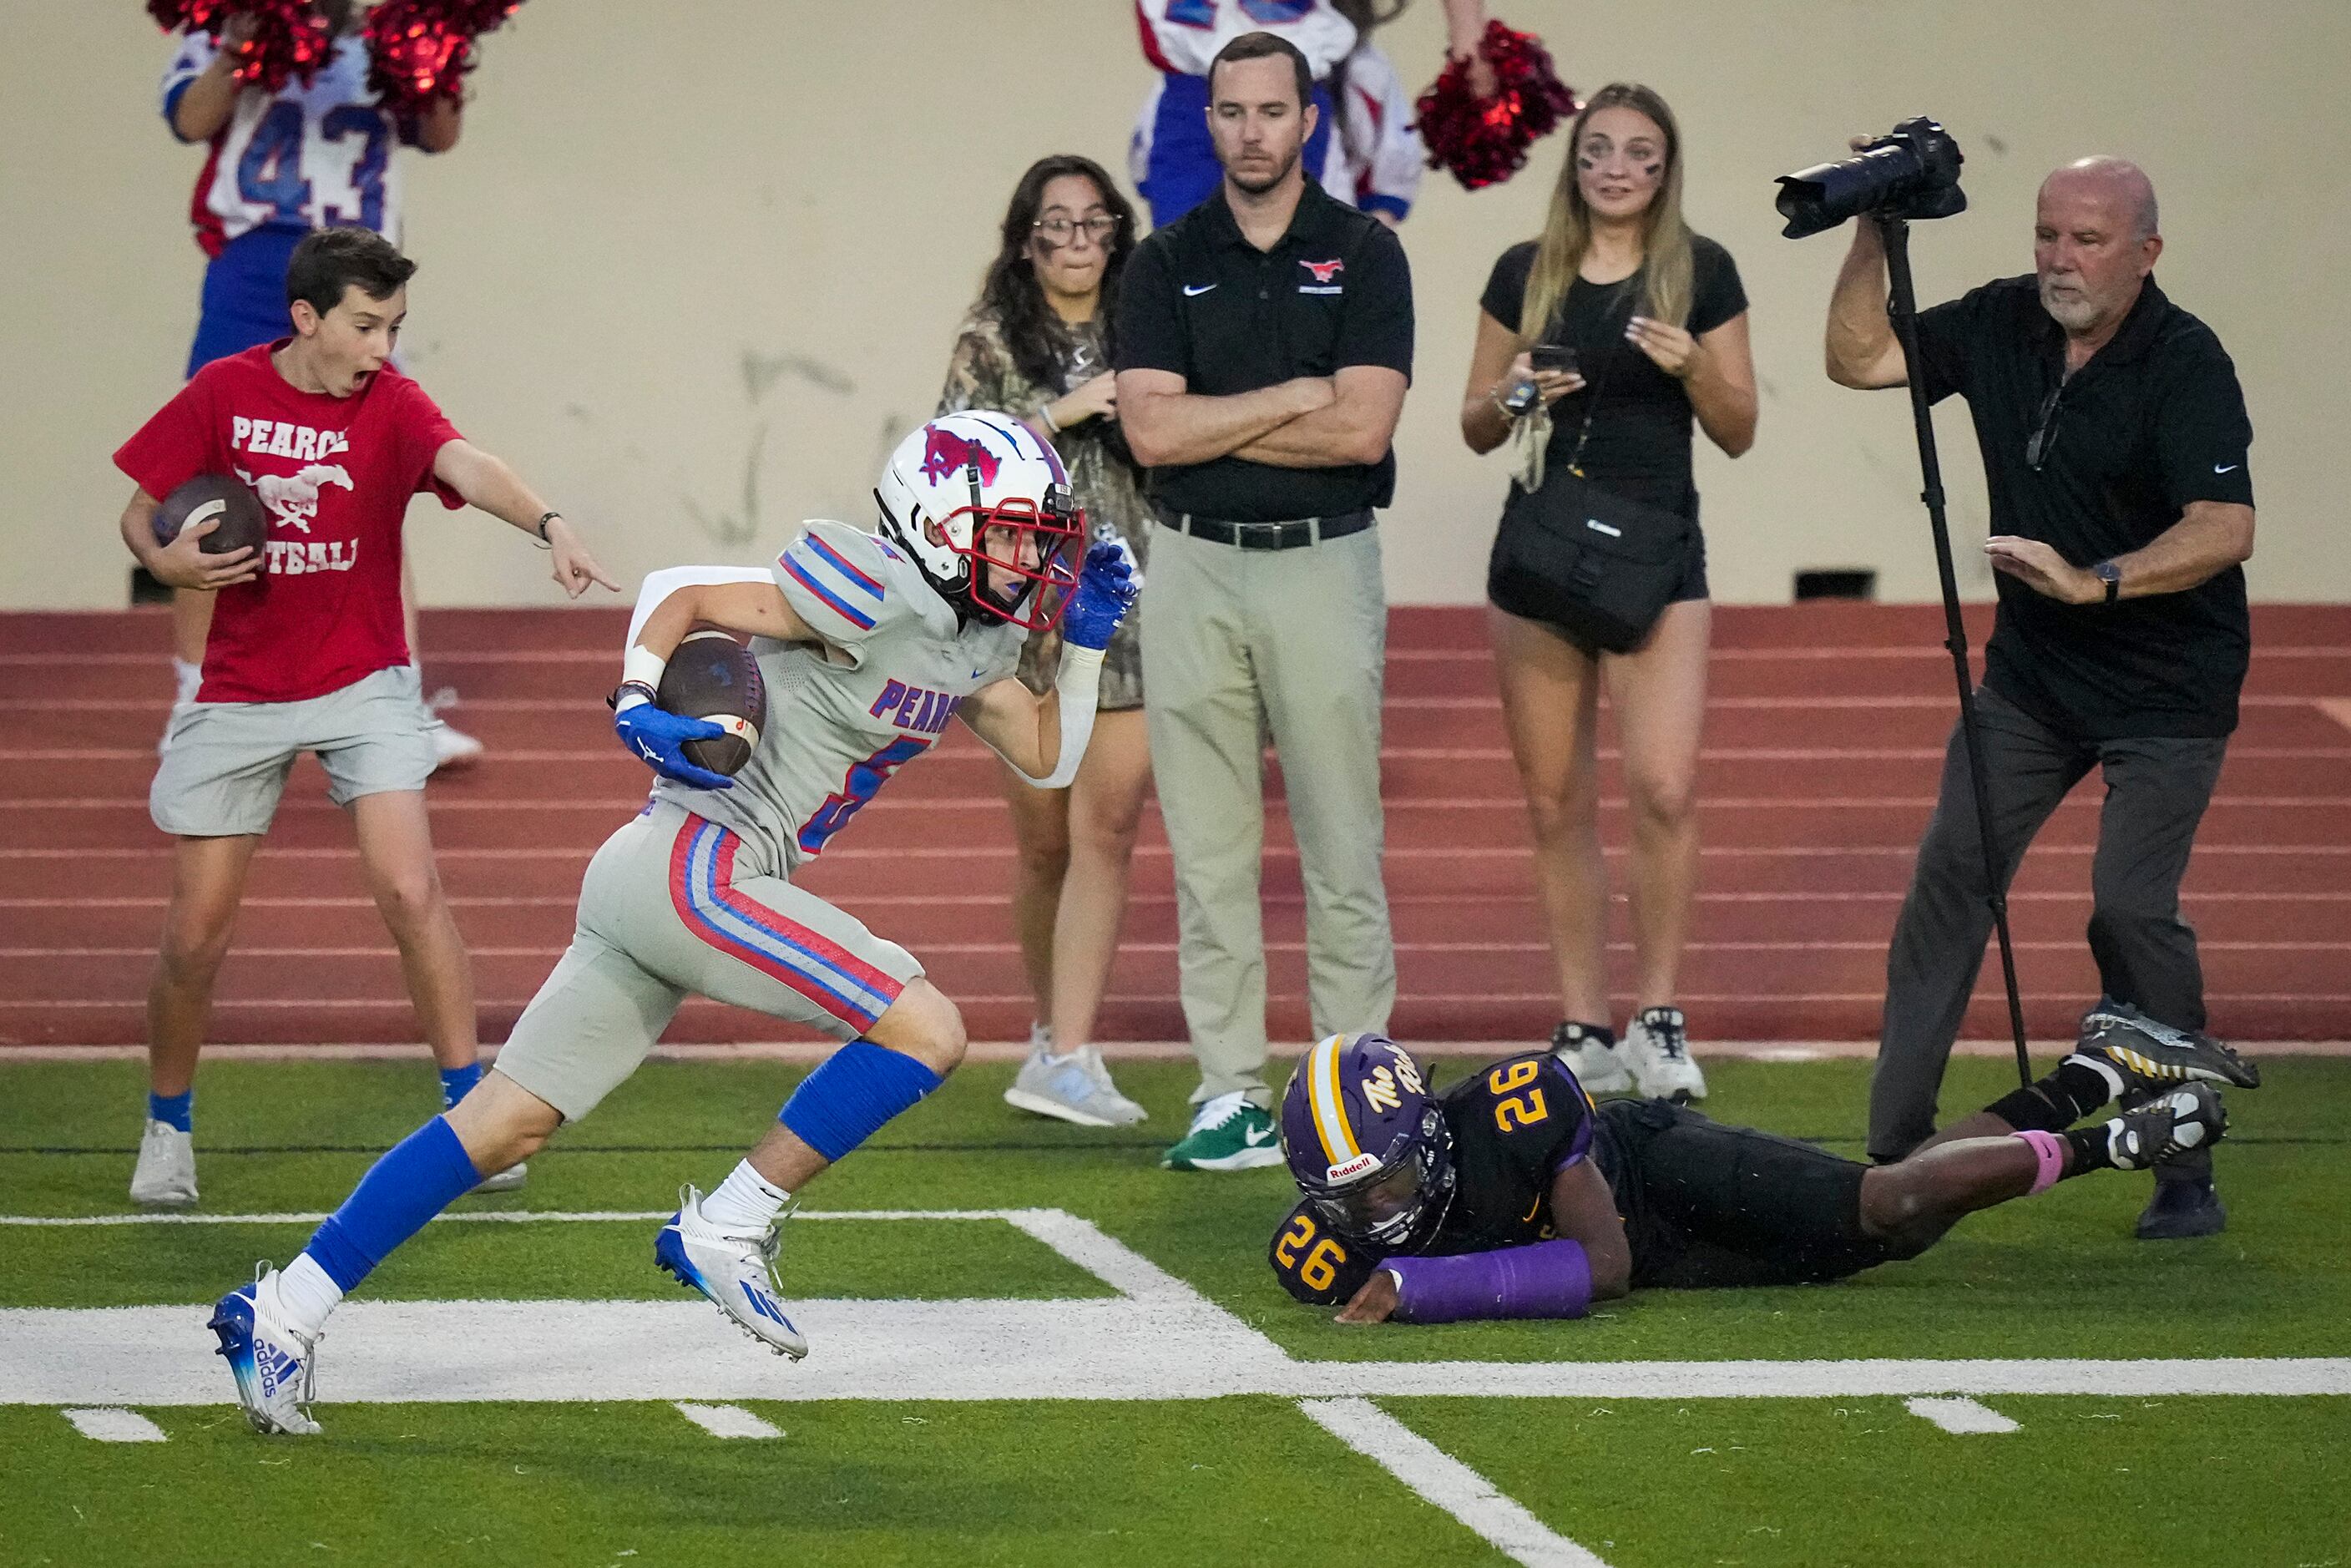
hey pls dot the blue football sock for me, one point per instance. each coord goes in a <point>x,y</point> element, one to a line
<point>173,1110</point>
<point>846,1101</point>
<point>423,1175</point>
<point>456,1082</point>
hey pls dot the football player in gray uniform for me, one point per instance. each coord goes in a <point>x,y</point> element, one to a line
<point>868,643</point>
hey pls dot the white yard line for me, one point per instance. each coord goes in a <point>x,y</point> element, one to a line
<point>727,1420</point>
<point>1964,1417</point>
<point>1437,1478</point>
<point>508,1217</point>
<point>112,1426</point>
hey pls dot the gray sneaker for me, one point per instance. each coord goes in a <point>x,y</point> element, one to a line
<point>511,1180</point>
<point>1073,1088</point>
<point>166,1174</point>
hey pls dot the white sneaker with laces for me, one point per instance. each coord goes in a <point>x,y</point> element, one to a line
<point>166,1174</point>
<point>1594,1057</point>
<point>274,1367</point>
<point>734,1271</point>
<point>1658,1045</point>
<point>1072,1088</point>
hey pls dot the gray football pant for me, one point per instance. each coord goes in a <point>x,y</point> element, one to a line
<point>1299,637</point>
<point>2156,790</point>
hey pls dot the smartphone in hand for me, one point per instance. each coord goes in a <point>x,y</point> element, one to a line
<point>1556,357</point>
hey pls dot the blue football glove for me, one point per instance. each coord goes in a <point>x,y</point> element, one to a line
<point>1106,590</point>
<point>658,737</point>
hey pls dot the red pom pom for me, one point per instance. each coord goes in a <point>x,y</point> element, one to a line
<point>289,38</point>
<point>1484,140</point>
<point>422,49</point>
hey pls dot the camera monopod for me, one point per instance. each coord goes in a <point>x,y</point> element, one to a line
<point>1903,309</point>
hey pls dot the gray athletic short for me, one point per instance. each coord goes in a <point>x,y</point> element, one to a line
<point>673,906</point>
<point>224,764</point>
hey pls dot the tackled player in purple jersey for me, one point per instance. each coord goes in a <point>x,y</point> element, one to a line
<point>867,643</point>
<point>1513,1196</point>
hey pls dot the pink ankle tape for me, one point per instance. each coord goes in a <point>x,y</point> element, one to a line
<point>2050,1150</point>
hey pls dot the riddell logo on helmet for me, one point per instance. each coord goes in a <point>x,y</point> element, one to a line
<point>946,454</point>
<point>1354,1168</point>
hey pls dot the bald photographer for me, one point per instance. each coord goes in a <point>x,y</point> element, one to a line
<point>2114,439</point>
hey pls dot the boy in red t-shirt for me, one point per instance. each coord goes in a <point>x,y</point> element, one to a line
<point>306,651</point>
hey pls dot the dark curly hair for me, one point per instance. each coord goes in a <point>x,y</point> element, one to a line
<point>1010,292</point>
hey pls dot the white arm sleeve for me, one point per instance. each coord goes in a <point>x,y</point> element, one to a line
<point>1079,687</point>
<point>660,585</point>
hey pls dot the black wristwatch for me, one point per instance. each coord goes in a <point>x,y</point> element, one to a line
<point>2110,574</point>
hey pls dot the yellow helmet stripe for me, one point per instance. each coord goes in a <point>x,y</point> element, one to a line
<point>1330,1106</point>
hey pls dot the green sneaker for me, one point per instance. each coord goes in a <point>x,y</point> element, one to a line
<point>1227,1134</point>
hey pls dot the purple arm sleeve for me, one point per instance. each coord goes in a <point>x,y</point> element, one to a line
<point>1547,1279</point>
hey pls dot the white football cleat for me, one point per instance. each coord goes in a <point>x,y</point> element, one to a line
<point>274,1367</point>
<point>508,1180</point>
<point>736,1272</point>
<point>1598,1064</point>
<point>166,1174</point>
<point>1658,1047</point>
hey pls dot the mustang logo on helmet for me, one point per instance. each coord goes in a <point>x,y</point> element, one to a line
<point>982,506</point>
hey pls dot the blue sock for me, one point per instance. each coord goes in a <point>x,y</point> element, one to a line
<point>173,1110</point>
<point>423,1175</point>
<point>456,1082</point>
<point>846,1101</point>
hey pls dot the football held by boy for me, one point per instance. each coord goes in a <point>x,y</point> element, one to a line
<point>306,651</point>
<point>866,644</point>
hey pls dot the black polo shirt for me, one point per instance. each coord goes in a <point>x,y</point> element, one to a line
<point>1198,299</point>
<point>2153,421</point>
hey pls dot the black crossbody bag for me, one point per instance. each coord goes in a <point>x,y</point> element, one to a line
<point>1596,565</point>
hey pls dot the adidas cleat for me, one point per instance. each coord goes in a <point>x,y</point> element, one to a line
<point>2167,1126</point>
<point>273,1366</point>
<point>2151,1055</point>
<point>735,1272</point>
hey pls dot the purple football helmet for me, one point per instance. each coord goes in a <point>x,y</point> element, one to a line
<point>1367,1144</point>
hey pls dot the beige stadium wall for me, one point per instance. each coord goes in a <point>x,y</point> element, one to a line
<point>692,283</point>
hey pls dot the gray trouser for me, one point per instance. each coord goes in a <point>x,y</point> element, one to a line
<point>2156,790</point>
<point>1294,640</point>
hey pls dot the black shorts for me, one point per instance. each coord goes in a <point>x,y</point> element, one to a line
<point>1707,1206</point>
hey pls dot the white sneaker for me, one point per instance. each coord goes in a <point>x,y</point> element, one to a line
<point>1073,1088</point>
<point>166,1174</point>
<point>274,1367</point>
<point>1593,1056</point>
<point>451,747</point>
<point>508,1180</point>
<point>735,1272</point>
<point>1658,1044</point>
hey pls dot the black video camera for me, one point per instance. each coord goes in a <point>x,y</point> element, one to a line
<point>1913,172</point>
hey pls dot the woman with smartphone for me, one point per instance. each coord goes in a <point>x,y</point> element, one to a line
<point>1598,344</point>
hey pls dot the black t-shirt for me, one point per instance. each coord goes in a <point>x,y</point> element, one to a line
<point>1199,300</point>
<point>2153,421</point>
<point>1640,444</point>
<point>1516,1124</point>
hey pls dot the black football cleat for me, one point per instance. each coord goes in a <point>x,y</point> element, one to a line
<point>2168,1126</point>
<point>2186,1204</point>
<point>2151,1055</point>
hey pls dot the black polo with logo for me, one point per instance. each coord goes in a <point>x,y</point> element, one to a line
<point>2096,465</point>
<point>1199,300</point>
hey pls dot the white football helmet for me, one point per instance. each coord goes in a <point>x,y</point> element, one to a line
<point>975,491</point>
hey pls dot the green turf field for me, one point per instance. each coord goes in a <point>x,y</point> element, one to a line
<point>1191,1412</point>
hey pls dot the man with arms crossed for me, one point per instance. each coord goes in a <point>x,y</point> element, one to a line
<point>1264,345</point>
<point>2113,440</point>
<point>306,651</point>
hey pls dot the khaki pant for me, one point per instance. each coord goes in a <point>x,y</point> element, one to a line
<point>1294,640</point>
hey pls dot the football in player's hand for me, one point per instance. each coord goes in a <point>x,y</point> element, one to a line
<point>214,498</point>
<point>712,676</point>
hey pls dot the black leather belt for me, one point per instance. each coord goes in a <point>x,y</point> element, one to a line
<point>1295,533</point>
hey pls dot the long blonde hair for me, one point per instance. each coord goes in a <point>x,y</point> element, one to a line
<point>1665,265</point>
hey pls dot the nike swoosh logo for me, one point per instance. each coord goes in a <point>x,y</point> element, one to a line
<point>1250,1137</point>
<point>1190,290</point>
<point>2230,469</point>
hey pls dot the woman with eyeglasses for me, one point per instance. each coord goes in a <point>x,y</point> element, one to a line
<point>1037,346</point>
<point>1598,347</point>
